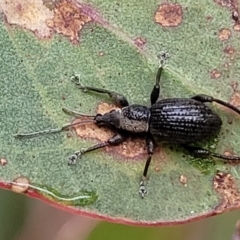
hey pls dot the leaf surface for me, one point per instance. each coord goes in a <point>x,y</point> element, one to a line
<point>114,45</point>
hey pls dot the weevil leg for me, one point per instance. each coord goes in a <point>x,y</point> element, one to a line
<point>118,98</point>
<point>204,153</point>
<point>163,56</point>
<point>156,89</point>
<point>150,148</point>
<point>75,113</point>
<point>49,131</point>
<point>115,140</point>
<point>205,98</point>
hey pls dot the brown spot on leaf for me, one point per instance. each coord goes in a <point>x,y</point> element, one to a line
<point>236,27</point>
<point>140,42</point>
<point>215,74</point>
<point>235,99</point>
<point>105,107</point>
<point>50,4</point>
<point>227,3</point>
<point>234,85</point>
<point>225,185</point>
<point>224,34</point>
<point>133,147</point>
<point>169,15</point>
<point>3,161</point>
<point>183,179</point>
<point>20,185</point>
<point>209,18</point>
<point>227,65</point>
<point>28,14</point>
<point>68,19</point>
<point>235,15</point>
<point>229,50</point>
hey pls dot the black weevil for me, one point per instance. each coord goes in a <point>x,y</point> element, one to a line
<point>183,121</point>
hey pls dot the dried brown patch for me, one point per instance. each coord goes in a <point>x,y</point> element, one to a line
<point>3,161</point>
<point>235,99</point>
<point>225,185</point>
<point>133,147</point>
<point>29,14</point>
<point>183,179</point>
<point>140,42</point>
<point>50,4</point>
<point>169,15</point>
<point>234,85</point>
<point>224,34</point>
<point>236,27</point>
<point>215,74</point>
<point>68,19</point>
<point>229,50</point>
<point>209,18</point>
<point>105,107</point>
<point>20,185</point>
<point>235,16</point>
<point>227,65</point>
<point>232,4</point>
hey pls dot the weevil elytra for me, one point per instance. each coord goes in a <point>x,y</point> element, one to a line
<point>184,121</point>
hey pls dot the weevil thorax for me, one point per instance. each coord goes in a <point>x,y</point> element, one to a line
<point>133,118</point>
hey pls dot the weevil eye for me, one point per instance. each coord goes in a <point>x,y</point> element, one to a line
<point>98,118</point>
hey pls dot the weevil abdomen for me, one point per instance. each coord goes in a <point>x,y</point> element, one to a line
<point>183,120</point>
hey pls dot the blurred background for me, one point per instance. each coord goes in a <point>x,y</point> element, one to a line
<point>22,218</point>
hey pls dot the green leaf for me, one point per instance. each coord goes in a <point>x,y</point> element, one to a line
<point>116,49</point>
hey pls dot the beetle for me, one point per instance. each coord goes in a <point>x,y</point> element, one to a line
<point>183,121</point>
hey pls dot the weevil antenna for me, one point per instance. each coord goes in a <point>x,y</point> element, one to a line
<point>54,130</point>
<point>226,104</point>
<point>76,114</point>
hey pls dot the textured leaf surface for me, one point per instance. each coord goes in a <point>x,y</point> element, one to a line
<point>117,50</point>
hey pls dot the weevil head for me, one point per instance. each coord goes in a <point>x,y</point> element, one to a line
<point>133,118</point>
<point>109,119</point>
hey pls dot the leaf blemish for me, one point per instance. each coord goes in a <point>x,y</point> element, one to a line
<point>169,15</point>
<point>140,41</point>
<point>229,50</point>
<point>20,185</point>
<point>215,74</point>
<point>226,3</point>
<point>3,161</point>
<point>224,34</point>
<point>28,14</point>
<point>225,185</point>
<point>183,180</point>
<point>68,19</point>
<point>235,99</point>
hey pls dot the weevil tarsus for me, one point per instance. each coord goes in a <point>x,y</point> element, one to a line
<point>114,140</point>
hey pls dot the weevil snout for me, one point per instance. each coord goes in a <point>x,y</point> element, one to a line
<point>110,118</point>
